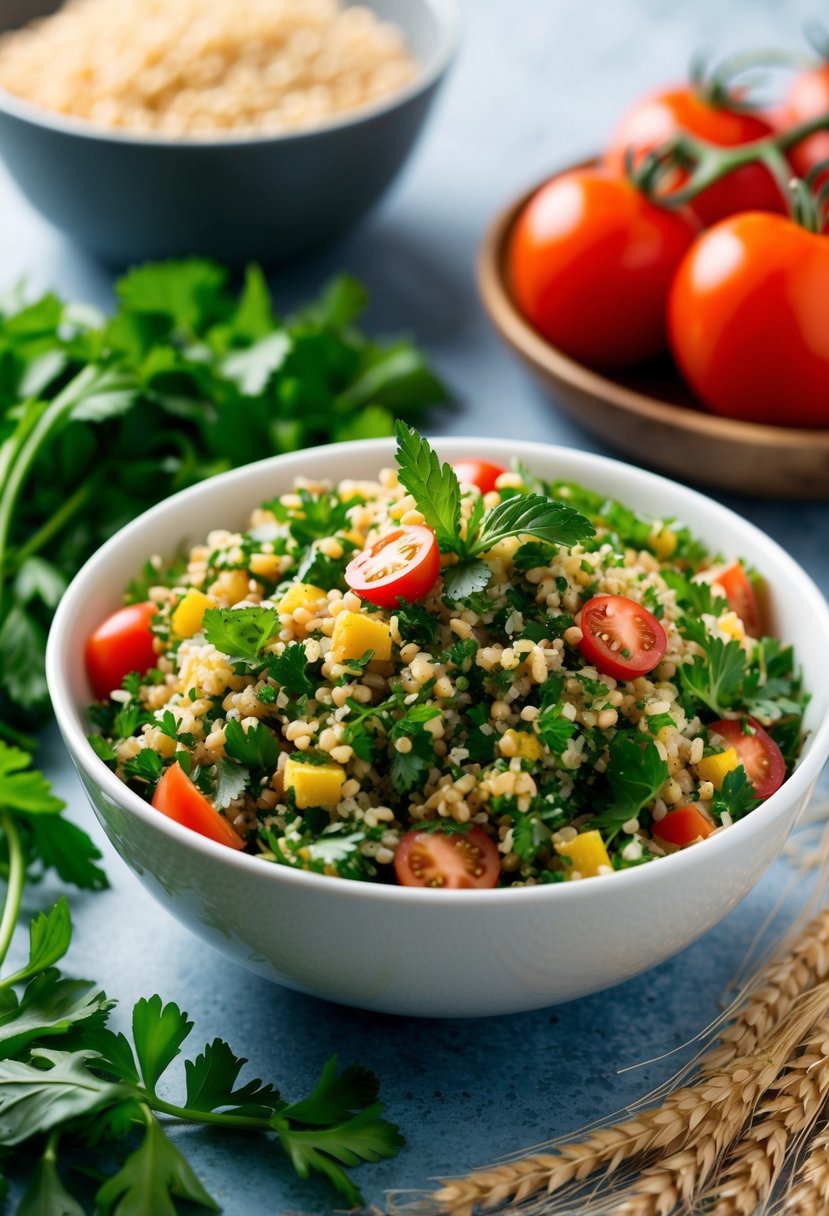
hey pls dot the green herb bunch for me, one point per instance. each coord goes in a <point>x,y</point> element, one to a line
<point>101,418</point>
<point>71,1086</point>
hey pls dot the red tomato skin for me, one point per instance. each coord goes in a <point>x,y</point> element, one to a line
<point>177,797</point>
<point>758,753</point>
<point>601,610</point>
<point>662,115</point>
<point>741,596</point>
<point>121,644</point>
<point>591,263</point>
<point>808,98</point>
<point>478,473</point>
<point>441,857</point>
<point>748,321</point>
<point>682,826</point>
<point>411,584</point>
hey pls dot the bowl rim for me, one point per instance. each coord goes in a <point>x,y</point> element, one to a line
<point>72,725</point>
<point>447,15</point>
<point>493,288</point>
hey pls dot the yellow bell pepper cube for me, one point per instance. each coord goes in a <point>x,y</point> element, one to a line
<point>715,768</point>
<point>300,595</point>
<point>314,784</point>
<point>354,634</point>
<point>587,853</point>
<point>527,746</point>
<point>663,542</point>
<point>189,613</point>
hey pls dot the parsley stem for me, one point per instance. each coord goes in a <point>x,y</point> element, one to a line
<point>53,525</point>
<point>189,1115</point>
<point>14,891</point>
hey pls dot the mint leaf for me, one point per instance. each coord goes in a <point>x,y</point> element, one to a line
<point>433,486</point>
<point>158,1033</point>
<point>533,515</point>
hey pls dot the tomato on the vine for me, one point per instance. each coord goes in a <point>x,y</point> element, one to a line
<point>661,116</point>
<point>121,644</point>
<point>808,98</point>
<point>757,752</point>
<point>177,797</point>
<point>480,473</point>
<point>403,564</point>
<point>748,321</point>
<point>591,262</point>
<point>448,861</point>
<point>620,637</point>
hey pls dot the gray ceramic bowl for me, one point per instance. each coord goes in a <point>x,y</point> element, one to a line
<point>270,198</point>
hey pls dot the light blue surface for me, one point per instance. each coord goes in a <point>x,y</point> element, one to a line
<point>537,85</point>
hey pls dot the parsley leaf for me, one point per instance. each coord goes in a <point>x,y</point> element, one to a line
<point>22,789</point>
<point>54,1089</point>
<point>241,633</point>
<point>433,485</point>
<point>635,773</point>
<point>464,579</point>
<point>290,670</point>
<point>231,780</point>
<point>554,730</point>
<point>150,1178</point>
<point>715,678</point>
<point>211,1078</point>
<point>736,796</point>
<point>158,1032</point>
<point>532,515</point>
<point>256,748</point>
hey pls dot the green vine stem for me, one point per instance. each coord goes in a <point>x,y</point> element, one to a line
<point>717,85</point>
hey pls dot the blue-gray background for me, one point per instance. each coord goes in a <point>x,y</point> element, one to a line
<point>537,84</point>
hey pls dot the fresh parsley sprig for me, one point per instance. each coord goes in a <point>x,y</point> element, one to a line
<point>437,494</point>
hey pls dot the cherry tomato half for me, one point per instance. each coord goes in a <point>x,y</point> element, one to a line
<point>740,593</point>
<point>121,644</point>
<point>748,322</point>
<point>450,862</point>
<point>620,637</point>
<point>404,564</point>
<point>758,753</point>
<point>591,263</point>
<point>478,473</point>
<point>660,116</point>
<point>683,826</point>
<point>177,798</point>
<point>808,98</point>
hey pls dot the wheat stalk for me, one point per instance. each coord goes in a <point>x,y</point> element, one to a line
<point>706,1117</point>
<point>809,1196</point>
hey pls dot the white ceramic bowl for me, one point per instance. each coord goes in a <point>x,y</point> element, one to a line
<point>424,952</point>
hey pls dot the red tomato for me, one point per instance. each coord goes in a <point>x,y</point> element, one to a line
<point>620,637</point>
<point>478,473</point>
<point>758,753</point>
<point>591,263</point>
<point>808,98</point>
<point>404,564</point>
<point>748,321</point>
<point>438,859</point>
<point>740,593</point>
<point>683,826</point>
<point>177,798</point>
<point>121,644</point>
<point>660,116</point>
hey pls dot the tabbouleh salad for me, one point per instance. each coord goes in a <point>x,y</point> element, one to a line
<point>446,677</point>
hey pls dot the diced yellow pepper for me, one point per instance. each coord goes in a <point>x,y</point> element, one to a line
<point>731,624</point>
<point>587,853</point>
<point>527,746</point>
<point>715,768</point>
<point>663,543</point>
<point>354,634</point>
<point>314,784</point>
<point>189,613</point>
<point>300,595</point>
<point>265,565</point>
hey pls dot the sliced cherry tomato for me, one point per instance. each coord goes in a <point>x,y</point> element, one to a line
<point>177,798</point>
<point>451,862</point>
<point>660,116</point>
<point>591,262</point>
<point>683,826</point>
<point>620,637</point>
<point>121,644</point>
<point>758,753</point>
<point>478,473</point>
<point>404,564</point>
<point>740,593</point>
<point>746,322</point>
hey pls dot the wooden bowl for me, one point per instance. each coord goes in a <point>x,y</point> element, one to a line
<point>649,412</point>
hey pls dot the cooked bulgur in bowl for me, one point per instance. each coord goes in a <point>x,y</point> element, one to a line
<point>466,677</point>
